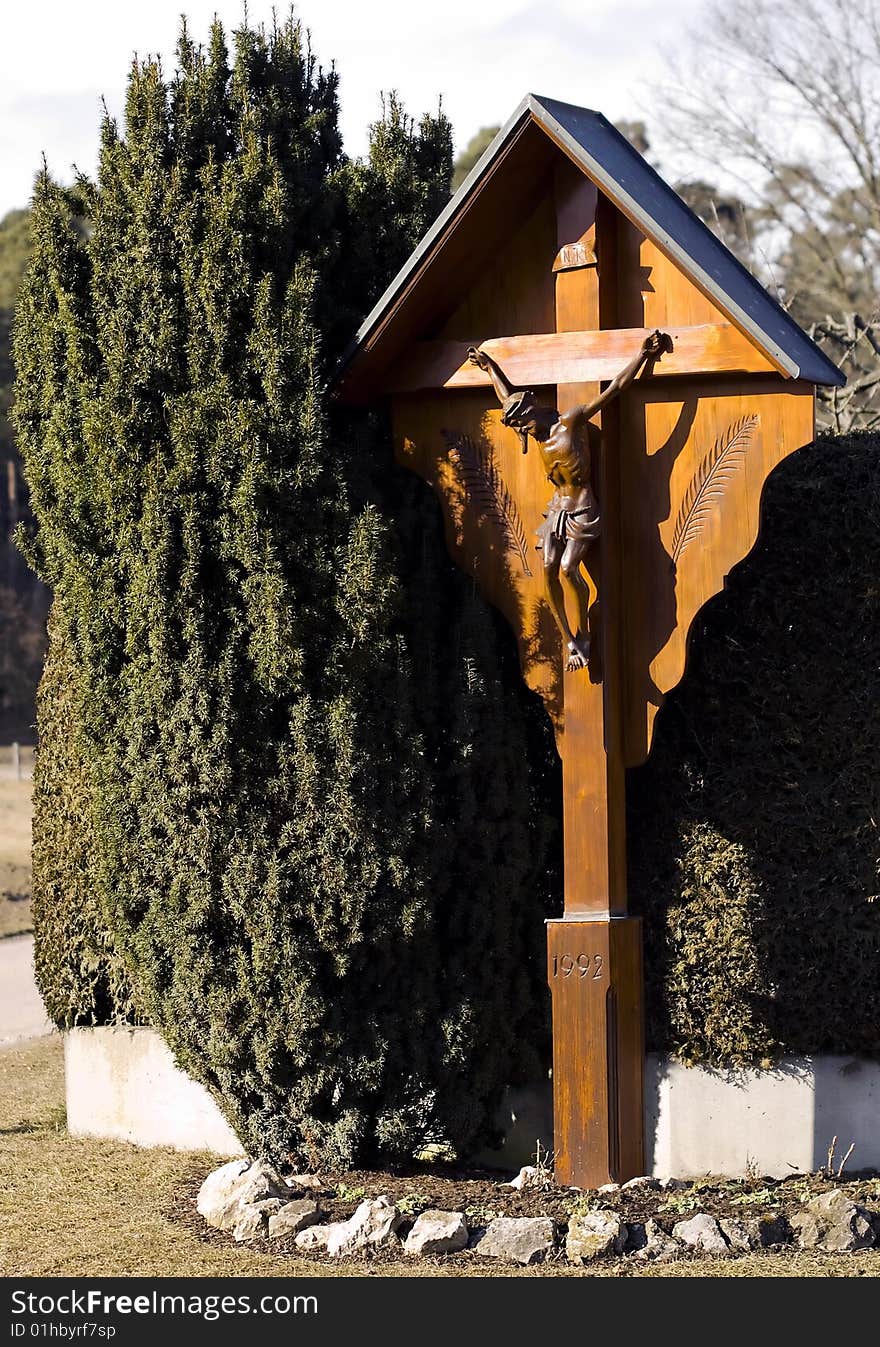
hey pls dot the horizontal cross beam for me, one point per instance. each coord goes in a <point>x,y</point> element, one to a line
<point>576,357</point>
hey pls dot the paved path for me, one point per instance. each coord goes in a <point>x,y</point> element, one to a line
<point>22,1014</point>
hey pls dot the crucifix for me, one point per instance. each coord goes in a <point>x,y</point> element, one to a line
<point>661,385</point>
<point>571,521</point>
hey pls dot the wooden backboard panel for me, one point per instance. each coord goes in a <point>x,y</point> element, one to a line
<point>515,293</point>
<point>695,458</point>
<point>493,497</point>
<point>694,453</point>
<point>652,291</point>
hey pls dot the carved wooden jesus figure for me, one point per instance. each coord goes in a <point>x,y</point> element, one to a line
<point>566,442</point>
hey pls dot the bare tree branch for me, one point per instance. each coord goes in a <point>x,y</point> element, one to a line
<point>782,97</point>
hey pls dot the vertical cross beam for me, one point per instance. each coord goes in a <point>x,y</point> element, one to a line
<point>594,951</point>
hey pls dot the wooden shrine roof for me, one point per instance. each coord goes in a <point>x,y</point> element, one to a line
<point>449,256</point>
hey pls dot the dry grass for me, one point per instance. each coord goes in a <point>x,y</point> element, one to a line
<point>15,855</point>
<point>74,1207</point>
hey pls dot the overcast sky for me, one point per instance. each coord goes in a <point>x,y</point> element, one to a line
<point>58,57</point>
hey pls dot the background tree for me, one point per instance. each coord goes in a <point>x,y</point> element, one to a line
<point>725,214</point>
<point>636,133</point>
<point>311,828</point>
<point>476,146</point>
<point>723,211</point>
<point>786,97</point>
<point>390,200</point>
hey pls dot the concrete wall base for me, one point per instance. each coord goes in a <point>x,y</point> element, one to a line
<point>777,1122</point>
<point>123,1083</point>
<point>700,1122</point>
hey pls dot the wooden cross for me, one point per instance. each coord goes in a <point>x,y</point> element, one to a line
<point>576,282</point>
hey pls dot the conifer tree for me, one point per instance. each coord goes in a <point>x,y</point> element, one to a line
<point>307,815</point>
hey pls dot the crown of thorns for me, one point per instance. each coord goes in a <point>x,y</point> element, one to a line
<point>518,407</point>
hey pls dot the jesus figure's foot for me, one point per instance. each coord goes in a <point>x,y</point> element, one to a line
<point>578,653</point>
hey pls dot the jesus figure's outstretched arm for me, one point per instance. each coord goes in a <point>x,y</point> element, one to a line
<point>651,349</point>
<point>495,372</point>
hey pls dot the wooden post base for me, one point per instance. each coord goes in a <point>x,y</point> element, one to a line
<point>594,967</point>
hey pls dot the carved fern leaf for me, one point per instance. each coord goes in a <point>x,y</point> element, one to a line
<point>709,483</point>
<point>487,490</point>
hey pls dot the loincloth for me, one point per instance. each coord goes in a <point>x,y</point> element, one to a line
<point>581,525</point>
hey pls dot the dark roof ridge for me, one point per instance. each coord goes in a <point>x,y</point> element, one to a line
<point>607,157</point>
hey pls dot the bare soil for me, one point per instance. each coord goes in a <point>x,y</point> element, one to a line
<point>483,1195</point>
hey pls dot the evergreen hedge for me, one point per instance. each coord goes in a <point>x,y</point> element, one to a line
<point>79,972</point>
<point>289,742</point>
<point>753,828</point>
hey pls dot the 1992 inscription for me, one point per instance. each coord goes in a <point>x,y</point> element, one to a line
<point>578,965</point>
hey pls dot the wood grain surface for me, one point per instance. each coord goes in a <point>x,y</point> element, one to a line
<point>567,357</point>
<point>594,970</point>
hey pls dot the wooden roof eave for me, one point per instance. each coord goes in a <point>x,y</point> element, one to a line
<point>387,308</point>
<point>355,365</point>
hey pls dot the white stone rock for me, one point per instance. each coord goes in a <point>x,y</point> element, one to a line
<point>736,1235</point>
<point>261,1181</point>
<point>372,1226</point>
<point>250,1224</point>
<point>834,1223</point>
<point>216,1193</point>
<point>437,1232</point>
<point>305,1183</point>
<point>593,1234</point>
<point>291,1217</point>
<point>642,1181</point>
<point>701,1232</point>
<point>609,1189</point>
<point>254,1217</point>
<point>531,1176</point>
<point>316,1236</point>
<point>234,1186</point>
<point>520,1239</point>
